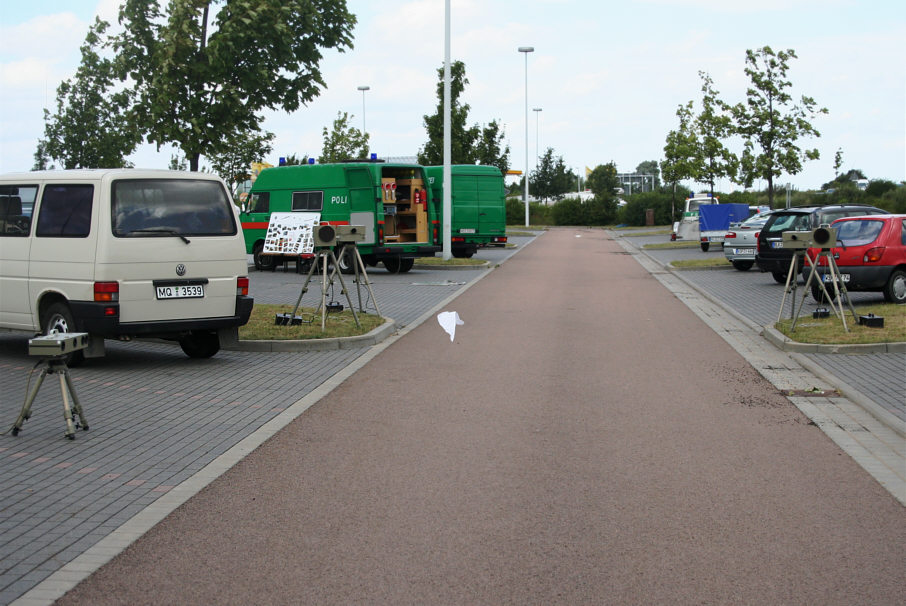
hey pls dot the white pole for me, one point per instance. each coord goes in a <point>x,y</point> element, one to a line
<point>526,50</point>
<point>448,181</point>
<point>363,89</point>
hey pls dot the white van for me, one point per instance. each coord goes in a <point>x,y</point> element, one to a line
<point>122,253</point>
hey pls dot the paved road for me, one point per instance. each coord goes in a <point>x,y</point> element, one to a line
<point>562,449</point>
<point>157,420</point>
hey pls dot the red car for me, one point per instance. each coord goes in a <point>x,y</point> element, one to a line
<point>871,256</point>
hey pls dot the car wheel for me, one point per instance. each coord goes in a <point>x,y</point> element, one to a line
<point>406,265</point>
<point>58,318</point>
<point>779,276</point>
<point>746,266</point>
<point>262,262</point>
<point>200,344</point>
<point>705,246</point>
<point>818,294</point>
<point>346,260</point>
<point>895,289</point>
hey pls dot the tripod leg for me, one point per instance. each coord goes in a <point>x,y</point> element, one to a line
<point>808,282</point>
<point>345,291</point>
<point>67,412</point>
<point>76,405</point>
<point>361,263</point>
<point>25,413</point>
<point>311,271</point>
<point>324,294</point>
<point>786,290</point>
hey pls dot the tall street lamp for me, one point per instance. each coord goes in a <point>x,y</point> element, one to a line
<point>363,89</point>
<point>537,111</point>
<point>526,50</point>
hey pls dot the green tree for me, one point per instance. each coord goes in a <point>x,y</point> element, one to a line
<point>552,179</point>
<point>713,125</point>
<point>770,123</point>
<point>603,181</point>
<point>680,150</point>
<point>838,161</point>
<point>343,142</point>
<point>491,150</point>
<point>90,128</point>
<point>462,137</point>
<point>232,160</point>
<point>196,88</point>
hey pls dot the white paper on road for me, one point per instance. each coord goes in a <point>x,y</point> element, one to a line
<point>448,321</point>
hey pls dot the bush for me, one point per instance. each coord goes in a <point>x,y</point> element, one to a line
<point>660,201</point>
<point>539,214</point>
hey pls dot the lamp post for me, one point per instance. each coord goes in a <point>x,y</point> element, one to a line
<point>526,50</point>
<point>363,89</point>
<point>537,111</point>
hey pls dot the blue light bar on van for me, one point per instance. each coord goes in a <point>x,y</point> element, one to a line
<point>311,160</point>
<point>373,156</point>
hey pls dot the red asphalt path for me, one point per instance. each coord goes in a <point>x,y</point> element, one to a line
<point>586,439</point>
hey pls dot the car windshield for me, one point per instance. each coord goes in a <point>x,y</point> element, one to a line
<point>859,232</point>
<point>756,220</point>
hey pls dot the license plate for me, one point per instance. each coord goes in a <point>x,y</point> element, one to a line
<point>778,244</point>
<point>743,251</point>
<point>843,278</point>
<point>180,292</point>
<point>716,238</point>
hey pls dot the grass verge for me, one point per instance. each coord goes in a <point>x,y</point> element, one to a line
<point>830,330</point>
<point>261,324</point>
<point>709,262</point>
<point>665,245</point>
<point>439,261</point>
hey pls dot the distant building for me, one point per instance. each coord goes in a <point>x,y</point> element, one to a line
<point>635,182</point>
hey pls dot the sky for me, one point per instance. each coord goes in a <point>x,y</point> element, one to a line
<point>607,76</point>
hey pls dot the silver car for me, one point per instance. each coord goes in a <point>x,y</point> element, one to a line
<point>740,241</point>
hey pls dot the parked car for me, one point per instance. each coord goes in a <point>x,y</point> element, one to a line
<point>739,243</point>
<point>770,254</point>
<point>871,257</point>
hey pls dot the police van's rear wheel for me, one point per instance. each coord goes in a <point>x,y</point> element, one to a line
<point>262,262</point>
<point>200,344</point>
<point>346,260</point>
<point>398,266</point>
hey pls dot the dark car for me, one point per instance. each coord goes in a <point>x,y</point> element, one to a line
<point>871,256</point>
<point>771,255</point>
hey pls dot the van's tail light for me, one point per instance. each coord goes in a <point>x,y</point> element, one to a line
<point>873,255</point>
<point>380,235</point>
<point>500,239</point>
<point>434,236</point>
<point>242,286</point>
<point>107,292</point>
<point>457,239</point>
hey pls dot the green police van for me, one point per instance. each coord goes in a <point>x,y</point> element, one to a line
<point>392,201</point>
<point>478,204</point>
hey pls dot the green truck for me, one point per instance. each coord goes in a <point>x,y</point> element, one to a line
<point>478,201</point>
<point>392,201</point>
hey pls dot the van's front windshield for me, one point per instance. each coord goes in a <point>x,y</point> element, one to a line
<point>168,207</point>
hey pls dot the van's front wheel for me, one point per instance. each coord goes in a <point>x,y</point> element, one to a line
<point>58,318</point>
<point>262,262</point>
<point>200,344</point>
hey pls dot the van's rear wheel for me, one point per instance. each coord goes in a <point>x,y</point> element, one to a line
<point>398,266</point>
<point>346,260</point>
<point>262,262</point>
<point>200,344</point>
<point>779,276</point>
<point>58,318</point>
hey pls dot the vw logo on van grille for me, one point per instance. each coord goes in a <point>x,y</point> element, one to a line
<point>180,270</point>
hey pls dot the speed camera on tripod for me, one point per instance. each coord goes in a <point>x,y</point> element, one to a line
<point>822,237</point>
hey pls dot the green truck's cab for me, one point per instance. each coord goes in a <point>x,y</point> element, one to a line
<point>478,203</point>
<point>392,201</point>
